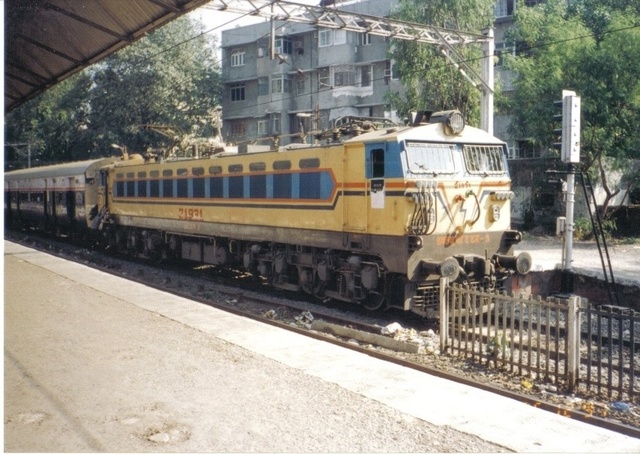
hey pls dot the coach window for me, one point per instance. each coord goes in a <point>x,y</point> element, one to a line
<point>257,166</point>
<point>281,165</point>
<point>167,173</point>
<point>183,172</point>
<point>214,170</point>
<point>377,163</point>
<point>235,168</point>
<point>310,163</point>
<point>142,174</point>
<point>154,173</point>
<point>197,171</point>
<point>131,175</point>
<point>119,176</point>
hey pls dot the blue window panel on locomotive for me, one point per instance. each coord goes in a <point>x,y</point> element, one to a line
<point>295,185</point>
<point>382,160</point>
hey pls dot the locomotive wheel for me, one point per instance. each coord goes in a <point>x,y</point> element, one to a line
<point>373,301</point>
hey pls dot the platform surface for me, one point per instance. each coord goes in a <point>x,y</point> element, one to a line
<point>58,308</point>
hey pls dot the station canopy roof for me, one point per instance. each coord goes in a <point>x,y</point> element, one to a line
<point>47,41</point>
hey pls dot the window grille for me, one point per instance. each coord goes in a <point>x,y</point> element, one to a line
<point>484,159</point>
<point>237,58</point>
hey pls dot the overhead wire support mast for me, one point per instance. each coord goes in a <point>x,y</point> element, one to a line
<point>446,39</point>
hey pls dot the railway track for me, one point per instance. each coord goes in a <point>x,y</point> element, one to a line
<point>237,294</point>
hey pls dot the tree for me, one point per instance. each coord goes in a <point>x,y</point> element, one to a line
<point>171,77</point>
<point>430,81</point>
<point>55,124</point>
<point>593,48</point>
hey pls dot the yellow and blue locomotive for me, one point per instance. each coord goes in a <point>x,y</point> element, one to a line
<point>374,219</point>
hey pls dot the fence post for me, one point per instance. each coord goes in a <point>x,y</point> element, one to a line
<point>444,314</point>
<point>573,341</point>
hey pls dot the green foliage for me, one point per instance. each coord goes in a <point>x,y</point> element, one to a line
<point>430,81</point>
<point>593,48</point>
<point>168,77</point>
<point>583,230</point>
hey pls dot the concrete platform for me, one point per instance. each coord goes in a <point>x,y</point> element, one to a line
<point>547,255</point>
<point>97,363</point>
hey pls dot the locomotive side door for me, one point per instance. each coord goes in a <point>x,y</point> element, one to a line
<point>103,190</point>
<point>354,189</point>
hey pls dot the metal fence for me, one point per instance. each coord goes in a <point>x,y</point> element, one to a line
<point>560,341</point>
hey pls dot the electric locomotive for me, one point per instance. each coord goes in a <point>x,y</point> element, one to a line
<point>374,219</point>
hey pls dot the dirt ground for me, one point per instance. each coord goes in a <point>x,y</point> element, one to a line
<point>87,372</point>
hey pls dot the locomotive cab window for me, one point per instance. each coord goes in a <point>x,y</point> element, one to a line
<point>377,163</point>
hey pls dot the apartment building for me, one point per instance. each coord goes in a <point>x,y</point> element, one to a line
<point>319,75</point>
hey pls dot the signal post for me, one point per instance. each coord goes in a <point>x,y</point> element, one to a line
<point>570,154</point>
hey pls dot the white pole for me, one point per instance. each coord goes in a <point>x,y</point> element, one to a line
<point>486,98</point>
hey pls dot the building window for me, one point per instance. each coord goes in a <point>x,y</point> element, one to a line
<point>365,39</point>
<point>503,49</point>
<point>237,92</point>
<point>237,58</point>
<point>300,85</point>
<point>262,127</point>
<point>263,45</point>
<point>283,45</point>
<point>504,8</point>
<point>524,149</point>
<point>390,72</point>
<point>237,127</point>
<point>263,86</point>
<point>339,37</point>
<point>324,38</point>
<point>280,84</point>
<point>275,124</point>
<point>366,75</point>
<point>323,79</point>
<point>344,75</point>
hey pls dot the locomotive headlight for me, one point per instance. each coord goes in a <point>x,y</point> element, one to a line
<point>494,213</point>
<point>452,120</point>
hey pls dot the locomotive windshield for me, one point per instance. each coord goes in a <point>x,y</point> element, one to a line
<point>433,158</point>
<point>484,159</point>
<point>450,158</point>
